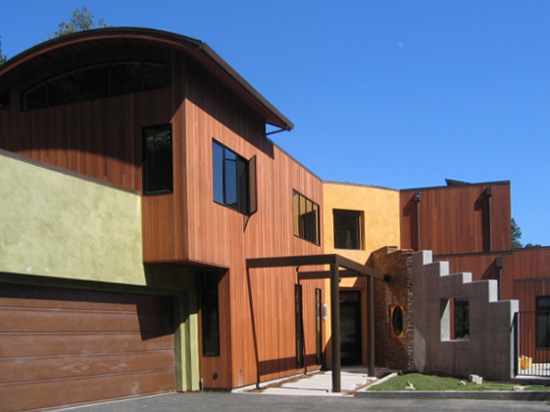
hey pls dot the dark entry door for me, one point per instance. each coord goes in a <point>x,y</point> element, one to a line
<point>350,327</point>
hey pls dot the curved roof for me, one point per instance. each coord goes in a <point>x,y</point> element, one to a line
<point>98,38</point>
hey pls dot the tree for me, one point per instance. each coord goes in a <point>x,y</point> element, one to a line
<point>530,245</point>
<point>2,57</point>
<point>516,235</point>
<point>81,20</point>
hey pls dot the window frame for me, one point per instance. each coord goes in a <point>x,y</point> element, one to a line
<point>301,226</point>
<point>542,322</point>
<point>51,87</point>
<point>244,181</point>
<point>146,167</point>
<point>358,215</point>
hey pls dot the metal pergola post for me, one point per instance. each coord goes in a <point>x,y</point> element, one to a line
<point>370,325</point>
<point>350,269</point>
<point>335,326</point>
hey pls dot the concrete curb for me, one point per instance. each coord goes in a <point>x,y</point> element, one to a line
<point>494,396</point>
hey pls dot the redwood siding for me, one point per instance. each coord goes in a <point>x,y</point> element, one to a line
<point>455,219</point>
<point>220,236</point>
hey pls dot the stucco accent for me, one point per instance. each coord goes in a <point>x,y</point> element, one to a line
<point>58,225</point>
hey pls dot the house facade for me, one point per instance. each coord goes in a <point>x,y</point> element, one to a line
<point>153,183</point>
<point>139,183</point>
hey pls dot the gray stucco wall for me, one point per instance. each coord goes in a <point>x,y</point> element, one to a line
<point>489,350</point>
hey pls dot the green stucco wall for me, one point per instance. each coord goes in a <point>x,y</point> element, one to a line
<point>57,225</point>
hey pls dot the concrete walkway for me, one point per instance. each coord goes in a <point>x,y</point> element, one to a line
<point>317,384</point>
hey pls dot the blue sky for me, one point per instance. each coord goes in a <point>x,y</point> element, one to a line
<point>399,94</point>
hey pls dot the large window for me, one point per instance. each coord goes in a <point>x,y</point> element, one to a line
<point>97,81</point>
<point>234,179</point>
<point>306,218</point>
<point>543,322</point>
<point>347,229</point>
<point>157,160</point>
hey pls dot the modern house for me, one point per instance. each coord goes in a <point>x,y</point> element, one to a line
<point>137,180</point>
<point>153,238</point>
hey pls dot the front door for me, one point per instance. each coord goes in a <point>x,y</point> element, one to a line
<point>350,327</point>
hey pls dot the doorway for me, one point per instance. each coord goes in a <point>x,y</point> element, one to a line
<point>350,328</point>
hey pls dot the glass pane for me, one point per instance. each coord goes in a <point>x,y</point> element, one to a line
<point>296,201</point>
<point>242,185</point>
<point>230,178</point>
<point>347,230</point>
<point>63,89</point>
<point>156,76</point>
<point>217,164</point>
<point>157,162</point>
<point>93,82</point>
<point>125,78</point>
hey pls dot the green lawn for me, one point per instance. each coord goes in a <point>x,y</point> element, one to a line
<point>431,383</point>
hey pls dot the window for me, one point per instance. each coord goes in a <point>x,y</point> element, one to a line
<point>543,322</point>
<point>157,160</point>
<point>462,318</point>
<point>97,81</point>
<point>299,327</point>
<point>455,319</point>
<point>234,179</point>
<point>306,218</point>
<point>210,317</point>
<point>396,321</point>
<point>347,229</point>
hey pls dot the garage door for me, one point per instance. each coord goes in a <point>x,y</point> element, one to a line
<point>61,347</point>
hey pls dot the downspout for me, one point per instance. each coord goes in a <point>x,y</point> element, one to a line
<point>417,200</point>
<point>499,264</point>
<point>489,194</point>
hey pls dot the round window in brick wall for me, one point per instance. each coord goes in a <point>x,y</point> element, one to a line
<point>396,312</point>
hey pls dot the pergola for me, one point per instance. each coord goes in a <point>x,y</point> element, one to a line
<point>351,269</point>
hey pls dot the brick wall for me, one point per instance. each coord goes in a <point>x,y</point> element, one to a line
<point>391,351</point>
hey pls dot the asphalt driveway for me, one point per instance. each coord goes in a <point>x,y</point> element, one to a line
<point>227,402</point>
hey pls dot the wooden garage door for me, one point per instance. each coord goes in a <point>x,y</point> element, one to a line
<point>61,347</point>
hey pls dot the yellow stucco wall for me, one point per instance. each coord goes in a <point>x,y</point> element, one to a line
<point>57,225</point>
<point>380,221</point>
<point>380,209</point>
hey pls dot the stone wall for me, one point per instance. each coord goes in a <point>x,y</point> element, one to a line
<point>394,352</point>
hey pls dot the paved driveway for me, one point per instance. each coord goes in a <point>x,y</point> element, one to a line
<point>227,402</point>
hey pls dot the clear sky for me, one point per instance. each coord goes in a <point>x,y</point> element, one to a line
<point>400,94</point>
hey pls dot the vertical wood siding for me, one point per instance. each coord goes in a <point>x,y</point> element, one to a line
<point>454,219</point>
<point>102,138</point>
<point>257,305</point>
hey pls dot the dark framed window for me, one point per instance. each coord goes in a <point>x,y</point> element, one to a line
<point>318,327</point>
<point>210,314</point>
<point>299,327</point>
<point>543,322</point>
<point>306,218</point>
<point>461,318</point>
<point>234,179</point>
<point>347,229</point>
<point>157,160</point>
<point>97,81</point>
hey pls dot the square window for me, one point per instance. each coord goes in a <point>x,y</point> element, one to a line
<point>347,229</point>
